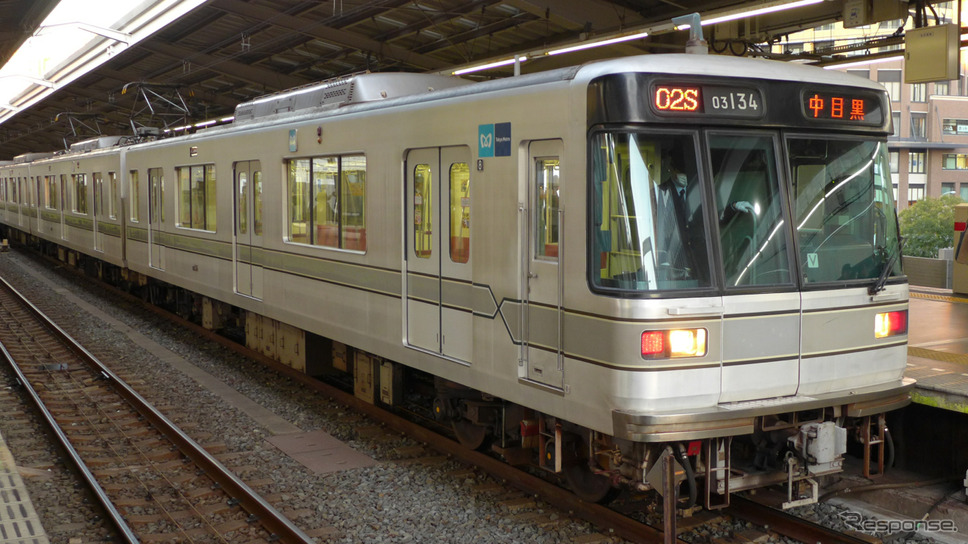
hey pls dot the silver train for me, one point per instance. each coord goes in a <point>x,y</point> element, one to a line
<point>591,270</point>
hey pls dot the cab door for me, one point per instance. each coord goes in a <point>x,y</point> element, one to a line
<point>761,326</point>
<point>543,277</point>
<point>248,228</point>
<point>438,305</point>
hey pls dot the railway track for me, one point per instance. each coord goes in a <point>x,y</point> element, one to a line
<point>532,489</point>
<point>154,482</point>
<point>612,522</point>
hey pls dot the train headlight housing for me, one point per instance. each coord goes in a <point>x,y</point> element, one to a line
<point>674,343</point>
<point>890,323</point>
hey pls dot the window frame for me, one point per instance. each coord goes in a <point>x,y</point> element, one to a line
<point>197,174</point>
<point>350,235</point>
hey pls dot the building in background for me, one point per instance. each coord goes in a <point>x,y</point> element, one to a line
<point>929,148</point>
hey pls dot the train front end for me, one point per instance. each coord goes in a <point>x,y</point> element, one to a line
<point>743,239</point>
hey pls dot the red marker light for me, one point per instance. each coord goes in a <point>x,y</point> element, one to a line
<point>653,343</point>
<point>890,324</point>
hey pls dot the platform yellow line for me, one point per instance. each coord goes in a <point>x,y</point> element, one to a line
<point>936,355</point>
<point>943,298</point>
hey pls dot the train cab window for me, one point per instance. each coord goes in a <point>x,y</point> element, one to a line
<point>547,180</point>
<point>844,204</point>
<point>134,196</point>
<point>752,232</point>
<point>196,197</point>
<point>423,231</point>
<point>326,201</point>
<point>79,193</point>
<point>647,231</point>
<point>460,212</point>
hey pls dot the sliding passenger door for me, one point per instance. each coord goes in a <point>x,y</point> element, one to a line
<point>438,305</point>
<point>544,288</point>
<point>248,228</point>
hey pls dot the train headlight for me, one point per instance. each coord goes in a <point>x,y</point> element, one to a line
<point>674,343</point>
<point>890,323</point>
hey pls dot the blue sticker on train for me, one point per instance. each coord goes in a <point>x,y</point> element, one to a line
<point>494,140</point>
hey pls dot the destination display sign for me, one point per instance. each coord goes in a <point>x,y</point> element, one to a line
<point>850,108</point>
<point>708,100</point>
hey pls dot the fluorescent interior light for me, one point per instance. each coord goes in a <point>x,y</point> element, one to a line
<point>75,38</point>
<point>489,65</point>
<point>590,45</point>
<point>760,11</point>
<point>862,62</point>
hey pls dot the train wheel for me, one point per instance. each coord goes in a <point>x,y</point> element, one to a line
<point>470,435</point>
<point>585,483</point>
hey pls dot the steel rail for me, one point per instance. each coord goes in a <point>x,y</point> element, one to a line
<point>270,518</point>
<point>112,512</point>
<point>787,524</point>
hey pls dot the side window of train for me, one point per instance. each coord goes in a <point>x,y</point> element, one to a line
<point>423,231</point>
<point>113,195</point>
<point>196,197</point>
<point>134,196</point>
<point>547,171</point>
<point>79,190</point>
<point>64,185</point>
<point>257,202</point>
<point>460,212</point>
<point>156,188</point>
<point>98,193</point>
<point>326,201</point>
<point>50,192</point>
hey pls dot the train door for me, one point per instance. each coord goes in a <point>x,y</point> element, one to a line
<point>438,304</point>
<point>756,247</point>
<point>248,228</point>
<point>156,216</point>
<point>543,281</point>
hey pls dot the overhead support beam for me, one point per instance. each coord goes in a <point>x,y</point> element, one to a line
<point>336,36</point>
<point>270,79</point>
<point>577,14</point>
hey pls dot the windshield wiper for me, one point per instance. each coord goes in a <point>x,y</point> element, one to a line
<point>878,285</point>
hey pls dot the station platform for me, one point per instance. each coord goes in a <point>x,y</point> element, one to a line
<point>938,348</point>
<point>19,523</point>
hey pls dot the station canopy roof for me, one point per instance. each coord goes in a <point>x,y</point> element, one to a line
<point>174,63</point>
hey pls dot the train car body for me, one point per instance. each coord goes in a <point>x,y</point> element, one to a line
<point>520,241</point>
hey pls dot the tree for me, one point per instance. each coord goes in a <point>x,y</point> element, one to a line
<point>928,226</point>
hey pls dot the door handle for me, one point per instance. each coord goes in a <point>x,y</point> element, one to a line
<point>532,275</point>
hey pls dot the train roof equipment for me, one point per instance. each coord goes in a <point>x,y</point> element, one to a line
<point>343,91</point>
